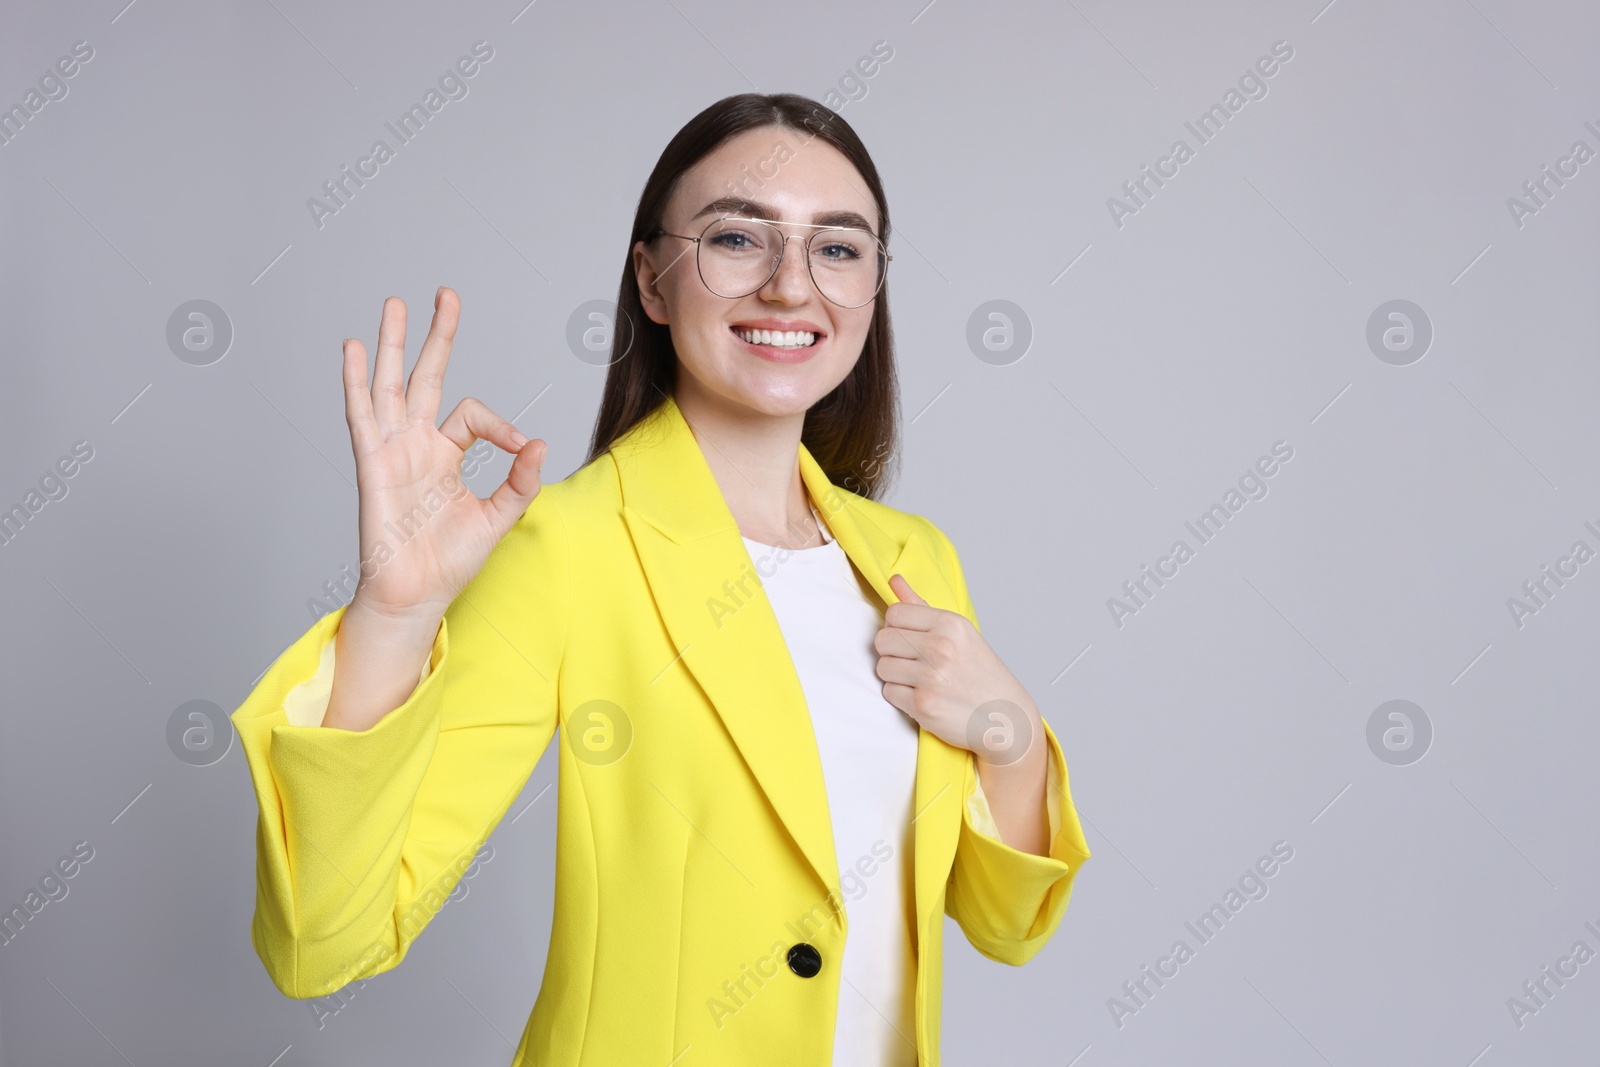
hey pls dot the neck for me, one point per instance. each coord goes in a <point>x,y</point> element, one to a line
<point>755,458</point>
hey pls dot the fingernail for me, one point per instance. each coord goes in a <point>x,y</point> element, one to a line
<point>518,439</point>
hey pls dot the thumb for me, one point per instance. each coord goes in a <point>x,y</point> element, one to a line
<point>522,484</point>
<point>904,591</point>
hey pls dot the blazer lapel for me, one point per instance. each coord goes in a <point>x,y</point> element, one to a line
<point>708,596</point>
<point>941,767</point>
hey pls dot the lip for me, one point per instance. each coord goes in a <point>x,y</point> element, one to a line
<point>775,355</point>
<point>778,324</point>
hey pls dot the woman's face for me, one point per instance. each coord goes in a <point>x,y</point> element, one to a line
<point>783,176</point>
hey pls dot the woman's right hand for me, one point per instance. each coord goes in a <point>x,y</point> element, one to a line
<point>423,533</point>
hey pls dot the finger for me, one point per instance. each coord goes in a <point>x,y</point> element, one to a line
<point>427,377</point>
<point>909,616</point>
<point>892,642</point>
<point>388,396</point>
<point>902,697</point>
<point>472,419</point>
<point>903,671</point>
<point>904,590</point>
<point>364,435</point>
<point>522,484</point>
<point>906,644</point>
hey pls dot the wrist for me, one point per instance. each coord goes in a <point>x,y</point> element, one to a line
<point>1025,741</point>
<point>412,626</point>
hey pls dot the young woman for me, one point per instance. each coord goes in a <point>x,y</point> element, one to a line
<point>781,725</point>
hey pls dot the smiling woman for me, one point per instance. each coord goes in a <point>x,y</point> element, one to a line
<point>744,746</point>
<point>708,256</point>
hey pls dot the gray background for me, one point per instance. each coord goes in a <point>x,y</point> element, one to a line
<point>1229,313</point>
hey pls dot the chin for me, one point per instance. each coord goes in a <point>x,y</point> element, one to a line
<point>781,404</point>
<point>774,389</point>
<point>777,399</point>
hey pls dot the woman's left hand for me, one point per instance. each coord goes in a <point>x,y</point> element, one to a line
<point>939,670</point>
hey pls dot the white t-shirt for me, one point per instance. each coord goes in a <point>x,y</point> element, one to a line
<point>869,764</point>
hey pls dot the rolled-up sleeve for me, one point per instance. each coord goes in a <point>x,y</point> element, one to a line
<point>362,834</point>
<point>1008,902</point>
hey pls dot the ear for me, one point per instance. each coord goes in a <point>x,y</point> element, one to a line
<point>645,274</point>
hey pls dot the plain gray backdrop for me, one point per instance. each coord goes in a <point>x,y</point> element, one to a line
<point>1155,344</point>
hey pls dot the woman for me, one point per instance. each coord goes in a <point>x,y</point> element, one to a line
<point>780,720</point>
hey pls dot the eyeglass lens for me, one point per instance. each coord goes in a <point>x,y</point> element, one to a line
<point>738,256</point>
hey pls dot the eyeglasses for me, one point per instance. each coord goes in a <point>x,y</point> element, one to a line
<point>737,256</point>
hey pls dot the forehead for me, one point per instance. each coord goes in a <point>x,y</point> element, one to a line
<point>800,175</point>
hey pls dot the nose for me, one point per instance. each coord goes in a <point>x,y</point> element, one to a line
<point>791,283</point>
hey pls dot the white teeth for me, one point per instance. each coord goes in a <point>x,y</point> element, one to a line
<point>778,338</point>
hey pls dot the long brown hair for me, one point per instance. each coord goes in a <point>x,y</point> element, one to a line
<point>853,432</point>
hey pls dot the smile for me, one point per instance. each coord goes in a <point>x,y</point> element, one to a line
<point>782,346</point>
<point>776,338</point>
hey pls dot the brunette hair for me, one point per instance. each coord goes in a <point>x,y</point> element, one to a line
<point>853,432</point>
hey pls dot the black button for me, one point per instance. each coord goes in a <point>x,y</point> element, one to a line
<point>804,960</point>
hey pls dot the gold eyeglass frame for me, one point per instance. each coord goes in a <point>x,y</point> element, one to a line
<point>777,260</point>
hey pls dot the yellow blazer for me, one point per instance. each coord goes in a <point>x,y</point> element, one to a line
<point>694,847</point>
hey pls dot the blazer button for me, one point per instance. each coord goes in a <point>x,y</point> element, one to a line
<point>804,960</point>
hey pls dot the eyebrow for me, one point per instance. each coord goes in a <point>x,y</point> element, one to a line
<point>738,205</point>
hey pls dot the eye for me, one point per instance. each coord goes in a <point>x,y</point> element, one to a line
<point>838,250</point>
<point>734,241</point>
